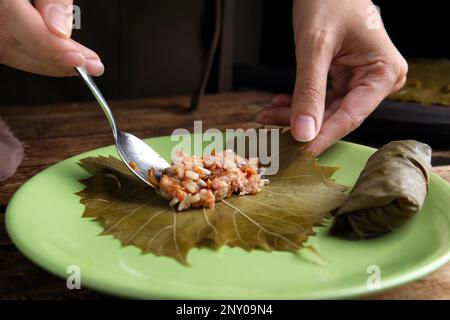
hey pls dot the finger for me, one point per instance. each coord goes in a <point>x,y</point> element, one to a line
<point>281,100</point>
<point>350,113</point>
<point>332,107</point>
<point>275,116</point>
<point>87,53</point>
<point>58,15</point>
<point>398,85</point>
<point>308,100</point>
<point>402,74</point>
<point>26,25</point>
<point>93,64</point>
<point>340,76</point>
<point>279,113</point>
<point>21,61</point>
<point>330,97</point>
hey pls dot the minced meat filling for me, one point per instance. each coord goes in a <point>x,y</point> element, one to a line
<point>200,182</point>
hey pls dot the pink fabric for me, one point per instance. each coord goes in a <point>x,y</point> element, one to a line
<point>11,152</point>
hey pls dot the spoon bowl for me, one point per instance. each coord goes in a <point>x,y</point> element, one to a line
<point>138,156</point>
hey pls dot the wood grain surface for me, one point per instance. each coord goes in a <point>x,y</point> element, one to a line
<point>52,133</point>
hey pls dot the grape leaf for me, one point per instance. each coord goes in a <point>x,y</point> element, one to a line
<point>281,217</point>
<point>428,82</point>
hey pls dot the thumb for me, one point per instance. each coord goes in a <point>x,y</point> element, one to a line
<point>58,15</point>
<point>308,100</point>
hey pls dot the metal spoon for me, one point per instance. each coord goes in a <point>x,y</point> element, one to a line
<point>133,151</point>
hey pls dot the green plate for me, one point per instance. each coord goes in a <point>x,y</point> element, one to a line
<point>44,221</point>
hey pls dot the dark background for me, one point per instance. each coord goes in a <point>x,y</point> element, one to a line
<point>158,47</point>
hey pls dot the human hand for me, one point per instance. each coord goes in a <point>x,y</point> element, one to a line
<point>333,36</point>
<point>37,39</point>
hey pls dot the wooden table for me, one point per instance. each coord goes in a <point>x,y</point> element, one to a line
<point>52,133</point>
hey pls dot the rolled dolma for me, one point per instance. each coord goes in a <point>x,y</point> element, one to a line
<point>390,190</point>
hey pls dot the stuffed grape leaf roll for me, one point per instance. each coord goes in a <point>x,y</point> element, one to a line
<point>390,190</point>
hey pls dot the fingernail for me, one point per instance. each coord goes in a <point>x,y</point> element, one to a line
<point>60,19</point>
<point>275,100</point>
<point>263,115</point>
<point>281,100</point>
<point>95,67</point>
<point>71,58</point>
<point>304,128</point>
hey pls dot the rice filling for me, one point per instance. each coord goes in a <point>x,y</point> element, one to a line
<point>201,182</point>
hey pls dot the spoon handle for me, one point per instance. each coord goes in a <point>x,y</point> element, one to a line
<point>99,97</point>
